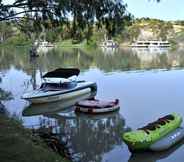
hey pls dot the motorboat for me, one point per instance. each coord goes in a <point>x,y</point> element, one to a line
<point>59,85</point>
<point>150,44</point>
<point>55,107</point>
<point>109,44</point>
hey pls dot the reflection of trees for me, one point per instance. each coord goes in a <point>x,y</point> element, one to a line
<point>13,57</point>
<point>121,59</point>
<point>4,95</point>
<point>92,136</point>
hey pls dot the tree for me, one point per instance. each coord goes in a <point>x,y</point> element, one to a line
<point>6,31</point>
<point>83,13</point>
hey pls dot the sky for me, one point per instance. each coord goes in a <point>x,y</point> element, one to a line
<point>165,10</point>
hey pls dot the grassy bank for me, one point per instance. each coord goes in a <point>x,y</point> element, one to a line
<point>69,43</point>
<point>16,144</point>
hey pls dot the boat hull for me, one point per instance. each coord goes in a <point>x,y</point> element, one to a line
<point>38,97</point>
<point>97,107</point>
<point>59,97</point>
<point>168,141</point>
<point>98,111</point>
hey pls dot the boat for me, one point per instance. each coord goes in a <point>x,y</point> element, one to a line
<point>94,106</point>
<point>109,44</point>
<point>43,46</point>
<point>143,138</point>
<point>168,141</point>
<point>58,86</point>
<point>150,44</point>
<point>55,107</point>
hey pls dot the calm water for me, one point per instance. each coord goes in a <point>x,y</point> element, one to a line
<point>149,84</point>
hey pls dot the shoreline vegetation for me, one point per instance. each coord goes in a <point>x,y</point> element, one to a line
<point>18,144</point>
<point>139,29</point>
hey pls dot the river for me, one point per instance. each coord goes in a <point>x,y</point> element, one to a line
<point>148,83</point>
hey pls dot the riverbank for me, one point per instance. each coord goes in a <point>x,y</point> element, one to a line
<point>18,144</point>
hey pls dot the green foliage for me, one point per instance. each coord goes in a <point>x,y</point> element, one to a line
<point>6,31</point>
<point>110,14</point>
<point>52,36</point>
<point>179,22</point>
<point>4,95</point>
<point>17,144</point>
<point>18,40</point>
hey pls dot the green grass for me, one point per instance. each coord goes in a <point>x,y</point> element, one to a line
<point>16,144</point>
<point>70,43</point>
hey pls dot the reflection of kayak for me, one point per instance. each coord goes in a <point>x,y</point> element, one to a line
<point>57,87</point>
<point>168,141</point>
<point>150,156</point>
<point>144,137</point>
<point>54,107</point>
<point>97,106</point>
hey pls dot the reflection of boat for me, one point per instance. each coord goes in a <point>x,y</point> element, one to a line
<point>55,106</point>
<point>150,44</point>
<point>109,50</point>
<point>57,89</point>
<point>147,51</point>
<point>156,156</point>
<point>95,106</point>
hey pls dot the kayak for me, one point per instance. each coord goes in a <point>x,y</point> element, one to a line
<point>95,106</point>
<point>169,140</point>
<point>144,137</point>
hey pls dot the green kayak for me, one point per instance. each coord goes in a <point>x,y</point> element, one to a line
<point>142,138</point>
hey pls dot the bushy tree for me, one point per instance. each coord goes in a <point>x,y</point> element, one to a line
<point>83,13</point>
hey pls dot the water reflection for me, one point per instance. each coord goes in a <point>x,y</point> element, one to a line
<point>109,50</point>
<point>93,136</point>
<point>4,96</point>
<point>143,96</point>
<point>54,107</point>
<point>151,51</point>
<point>90,136</point>
<point>120,59</point>
<point>155,156</point>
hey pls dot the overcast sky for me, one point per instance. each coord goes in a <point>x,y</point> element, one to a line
<point>166,9</point>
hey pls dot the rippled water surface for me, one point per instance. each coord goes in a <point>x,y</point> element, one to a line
<point>148,83</point>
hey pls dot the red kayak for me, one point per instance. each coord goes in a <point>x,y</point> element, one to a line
<point>97,106</point>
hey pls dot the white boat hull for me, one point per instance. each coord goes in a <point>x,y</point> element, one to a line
<point>59,97</point>
<point>40,96</point>
<point>98,111</point>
